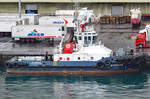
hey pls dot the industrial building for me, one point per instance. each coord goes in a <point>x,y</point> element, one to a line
<point>100,7</point>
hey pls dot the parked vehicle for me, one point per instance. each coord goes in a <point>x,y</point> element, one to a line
<point>34,32</point>
<point>57,20</point>
<point>143,38</point>
<point>7,23</point>
<point>33,18</point>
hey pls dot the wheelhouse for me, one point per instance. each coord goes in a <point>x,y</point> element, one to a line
<point>86,38</point>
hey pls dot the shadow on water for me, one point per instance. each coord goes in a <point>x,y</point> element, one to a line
<point>126,79</point>
<point>70,86</point>
<point>133,78</point>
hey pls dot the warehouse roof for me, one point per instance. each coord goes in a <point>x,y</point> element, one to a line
<point>84,1</point>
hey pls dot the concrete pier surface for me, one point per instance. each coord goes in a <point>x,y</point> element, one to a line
<point>113,40</point>
<point>39,48</point>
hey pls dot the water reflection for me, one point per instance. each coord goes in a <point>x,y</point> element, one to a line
<point>73,87</point>
<point>108,79</point>
<point>133,86</point>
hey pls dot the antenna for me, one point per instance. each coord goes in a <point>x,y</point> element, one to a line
<point>76,10</point>
<point>76,5</point>
<point>19,7</point>
<point>76,21</point>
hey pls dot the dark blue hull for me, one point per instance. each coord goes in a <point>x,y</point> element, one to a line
<point>111,65</point>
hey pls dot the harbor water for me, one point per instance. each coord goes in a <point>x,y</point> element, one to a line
<point>126,86</point>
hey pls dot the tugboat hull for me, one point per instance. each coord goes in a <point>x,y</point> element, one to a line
<point>96,72</point>
<point>72,71</point>
<point>110,65</point>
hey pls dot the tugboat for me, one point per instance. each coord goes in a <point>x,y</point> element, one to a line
<point>78,53</point>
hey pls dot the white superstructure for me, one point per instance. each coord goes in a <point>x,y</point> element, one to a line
<point>85,46</point>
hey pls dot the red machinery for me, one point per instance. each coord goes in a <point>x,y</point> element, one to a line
<point>83,26</point>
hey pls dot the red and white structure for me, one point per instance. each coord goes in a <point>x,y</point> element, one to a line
<point>135,17</point>
<point>84,45</point>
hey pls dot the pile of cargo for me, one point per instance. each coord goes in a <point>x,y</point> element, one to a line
<point>120,19</point>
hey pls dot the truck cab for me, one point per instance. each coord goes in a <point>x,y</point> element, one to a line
<point>143,38</point>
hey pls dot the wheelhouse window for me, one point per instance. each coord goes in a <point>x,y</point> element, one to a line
<point>80,38</point>
<point>92,58</point>
<point>89,39</point>
<point>94,39</point>
<point>85,40</point>
<point>76,40</point>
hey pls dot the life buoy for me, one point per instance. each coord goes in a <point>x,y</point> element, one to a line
<point>68,46</point>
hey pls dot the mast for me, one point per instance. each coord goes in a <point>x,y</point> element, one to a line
<point>76,15</point>
<point>76,21</point>
<point>19,9</point>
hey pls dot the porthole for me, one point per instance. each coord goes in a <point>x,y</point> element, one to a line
<point>78,58</point>
<point>92,58</point>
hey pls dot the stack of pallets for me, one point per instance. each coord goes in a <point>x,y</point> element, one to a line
<point>120,19</point>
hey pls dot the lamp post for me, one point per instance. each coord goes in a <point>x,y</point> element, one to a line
<point>19,6</point>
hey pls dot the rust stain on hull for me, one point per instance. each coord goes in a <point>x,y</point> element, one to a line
<point>97,72</point>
